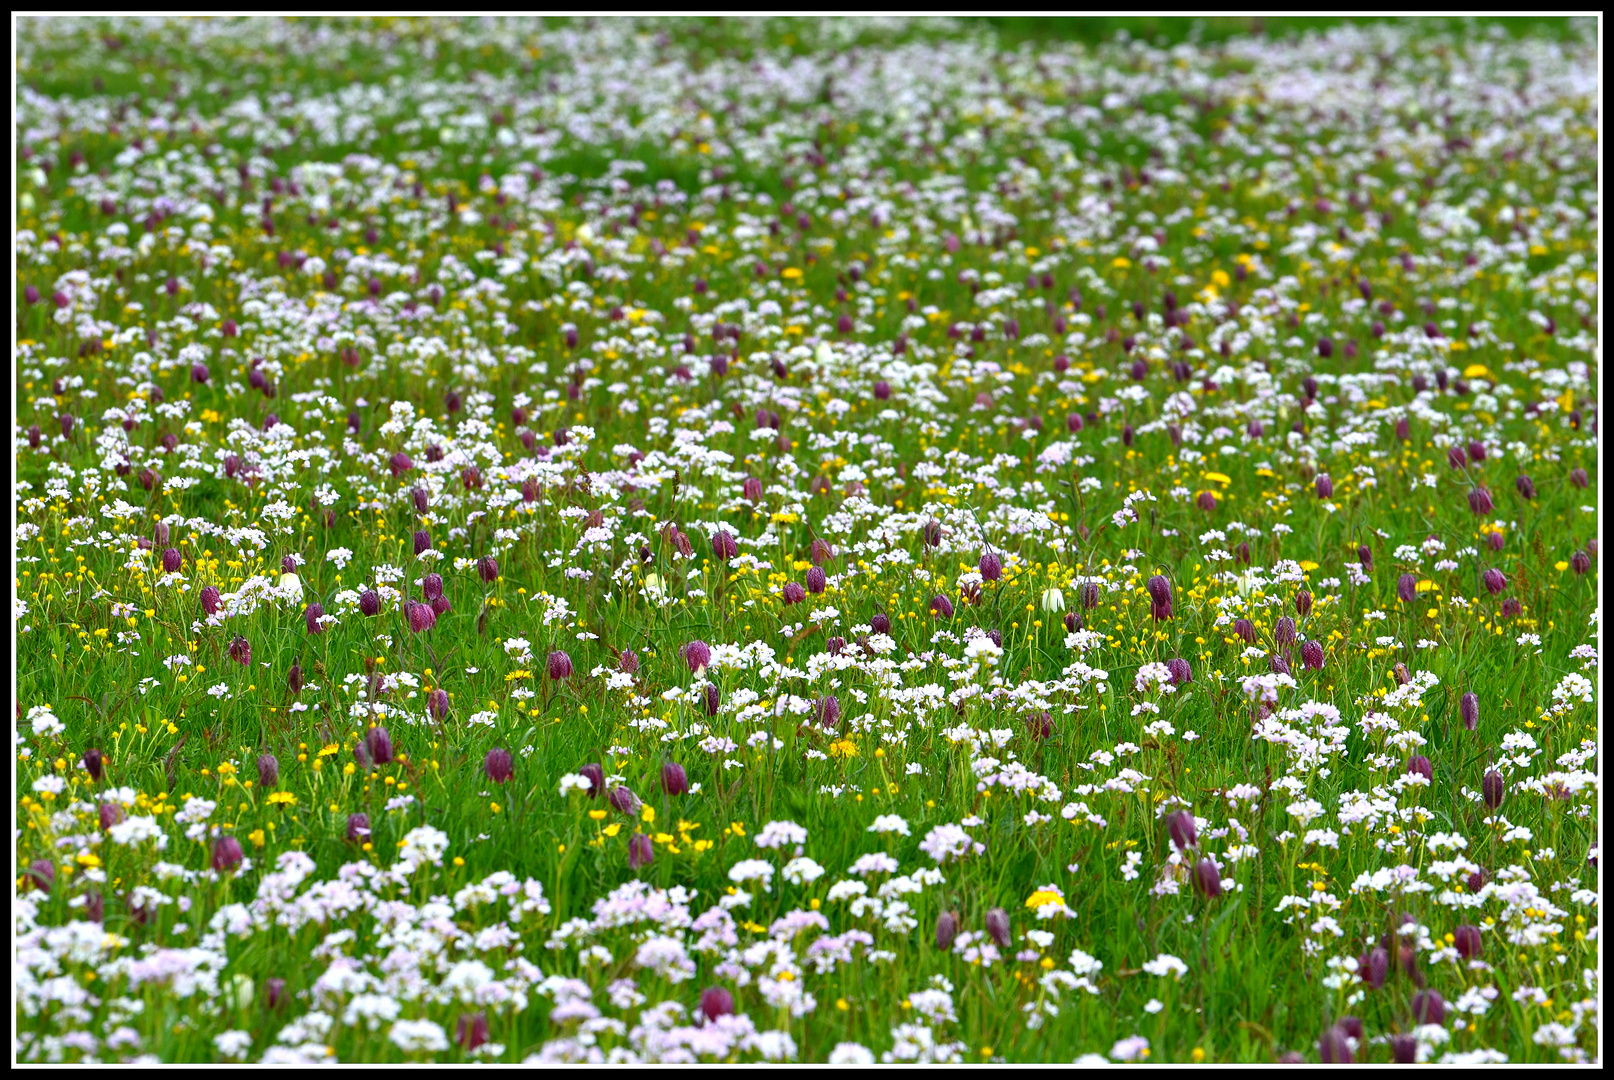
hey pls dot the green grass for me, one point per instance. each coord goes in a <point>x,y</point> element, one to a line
<point>1046,146</point>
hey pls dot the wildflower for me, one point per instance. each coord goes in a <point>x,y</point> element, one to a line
<point>1041,724</point>
<point>816,580</point>
<point>716,1002</point>
<point>941,607</point>
<point>358,828</point>
<point>211,599</point>
<point>827,710</point>
<point>641,852</point>
<point>1466,940</point>
<point>1160,597</point>
<point>628,662</point>
<point>312,615</point>
<point>997,925</point>
<point>1407,588</point>
<point>698,655</point>
<point>92,764</point>
<point>274,993</point>
<point>933,532</point>
<point>724,545</point>
<point>1493,788</point>
<point>1419,765</point>
<point>991,567</point>
<point>1428,1007</point>
<point>880,623</point>
<point>1375,966</point>
<point>109,814</point>
<point>595,777</point>
<point>1302,603</point>
<point>240,651</point>
<point>369,603</point>
<point>1334,1049</point>
<point>560,665</point>
<point>227,853</point>
<point>1180,827</point>
<point>1325,486</point>
<point>378,745</point>
<point>1364,555</point>
<point>437,704</point>
<point>1495,581</point>
<point>294,678</point>
<point>1469,708</point>
<point>793,593</point>
<point>1311,655</point>
<point>41,875</point>
<point>499,765</point>
<point>471,1031</point>
<point>1180,671</point>
<point>624,800</point>
<point>268,770</point>
<point>674,781</point>
<point>1580,562</point>
<point>1207,879</point>
<point>946,930</point>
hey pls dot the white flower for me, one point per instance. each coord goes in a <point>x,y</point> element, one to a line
<point>1129,1049</point>
<point>571,782</point>
<point>802,871</point>
<point>752,870</point>
<point>777,834</point>
<point>890,823</point>
<point>415,1035</point>
<point>44,722</point>
<point>850,1053</point>
<point>1166,964</point>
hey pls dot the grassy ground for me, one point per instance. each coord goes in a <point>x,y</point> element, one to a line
<point>1047,544</point>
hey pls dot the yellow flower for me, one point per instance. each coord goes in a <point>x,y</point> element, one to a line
<point>283,798</point>
<point>1043,897</point>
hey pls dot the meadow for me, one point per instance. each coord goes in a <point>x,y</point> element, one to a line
<point>854,541</point>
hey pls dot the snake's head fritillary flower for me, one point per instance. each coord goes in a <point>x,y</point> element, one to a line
<point>674,781</point>
<point>1407,588</point>
<point>1207,879</point>
<point>716,1002</point>
<point>628,662</point>
<point>595,777</point>
<point>312,615</point>
<point>1493,789</point>
<point>358,828</point>
<point>724,546</point>
<point>268,770</point>
<point>240,650</point>
<point>93,763</point>
<point>378,745</point>
<point>941,607</point>
<point>997,925</point>
<point>1420,765</point>
<point>472,1029</point>
<point>560,665</point>
<point>816,580</point>
<point>1428,1007</point>
<point>227,854</point>
<point>793,592</point>
<point>1180,827</point>
<point>499,765</point>
<point>1302,603</point>
<point>946,930</point>
<point>1469,708</point>
<point>369,603</point>
<point>698,655</point>
<point>991,567</point>
<point>1333,1048</point>
<point>1495,581</point>
<point>880,623</point>
<point>1311,655</point>
<point>624,800</point>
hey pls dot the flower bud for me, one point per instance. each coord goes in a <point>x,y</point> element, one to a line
<point>1180,827</point>
<point>1334,1049</point>
<point>1365,556</point>
<point>1469,707</point>
<point>431,586</point>
<point>437,704</point>
<point>1493,788</point>
<point>1207,879</point>
<point>378,745</point>
<point>595,777</point>
<point>715,1002</point>
<point>1466,940</point>
<point>1580,562</point>
<point>472,1031</point>
<point>1375,967</point>
<point>1302,603</point>
<point>712,698</point>
<point>674,781</point>
<point>1407,588</point>
<point>1325,486</point>
<point>92,763</point>
<point>499,765</point>
<point>227,854</point>
<point>1428,1007</point>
